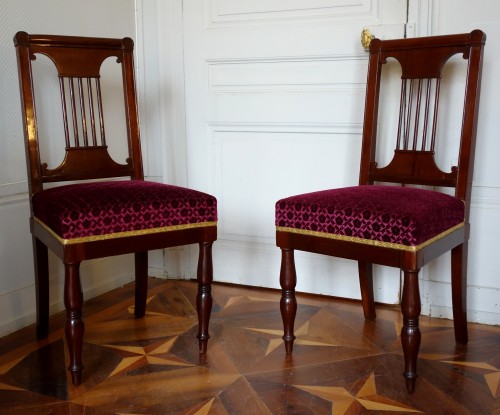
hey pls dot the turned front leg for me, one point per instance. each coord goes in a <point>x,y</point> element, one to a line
<point>73,301</point>
<point>410,333</point>
<point>204,296</point>
<point>288,302</point>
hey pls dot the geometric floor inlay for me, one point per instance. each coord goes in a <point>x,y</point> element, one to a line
<point>341,364</point>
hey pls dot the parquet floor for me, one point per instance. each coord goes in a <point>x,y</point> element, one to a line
<point>341,364</point>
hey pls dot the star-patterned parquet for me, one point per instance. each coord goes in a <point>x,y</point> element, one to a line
<point>341,364</point>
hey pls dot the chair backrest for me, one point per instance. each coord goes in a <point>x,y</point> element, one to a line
<point>78,61</point>
<point>422,61</point>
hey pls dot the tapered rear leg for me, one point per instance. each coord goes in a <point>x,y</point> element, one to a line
<point>141,283</point>
<point>73,301</point>
<point>365,270</point>
<point>459,291</point>
<point>41,262</point>
<point>204,297</point>
<point>410,332</point>
<point>288,302</point>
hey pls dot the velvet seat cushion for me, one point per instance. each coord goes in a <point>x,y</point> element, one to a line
<point>112,207</point>
<point>387,214</point>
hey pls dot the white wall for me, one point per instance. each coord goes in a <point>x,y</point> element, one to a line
<point>110,18</point>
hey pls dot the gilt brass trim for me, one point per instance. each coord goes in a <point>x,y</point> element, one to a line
<point>94,238</point>
<point>411,248</point>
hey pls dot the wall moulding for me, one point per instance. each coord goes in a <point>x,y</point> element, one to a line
<point>14,189</point>
<point>309,73</point>
<point>284,127</point>
<point>220,13</point>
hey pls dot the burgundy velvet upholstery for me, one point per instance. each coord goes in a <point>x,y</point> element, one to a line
<point>397,215</point>
<point>91,209</point>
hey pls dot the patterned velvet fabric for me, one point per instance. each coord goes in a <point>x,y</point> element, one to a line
<point>90,209</point>
<point>392,214</point>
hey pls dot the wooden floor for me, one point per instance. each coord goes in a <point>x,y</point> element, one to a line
<point>341,364</point>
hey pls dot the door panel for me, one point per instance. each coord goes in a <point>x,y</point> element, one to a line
<point>274,107</point>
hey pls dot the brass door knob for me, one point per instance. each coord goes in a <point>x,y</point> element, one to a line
<point>366,38</point>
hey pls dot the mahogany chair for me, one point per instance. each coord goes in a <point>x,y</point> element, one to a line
<point>397,215</point>
<point>87,218</point>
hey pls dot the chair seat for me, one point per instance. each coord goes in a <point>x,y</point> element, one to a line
<point>401,216</point>
<point>87,210</point>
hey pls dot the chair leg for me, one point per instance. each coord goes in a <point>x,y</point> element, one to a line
<point>288,302</point>
<point>365,270</point>
<point>41,259</point>
<point>459,291</point>
<point>73,301</point>
<point>141,283</point>
<point>410,333</point>
<point>204,296</point>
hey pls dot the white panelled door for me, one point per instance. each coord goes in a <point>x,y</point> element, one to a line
<point>274,107</point>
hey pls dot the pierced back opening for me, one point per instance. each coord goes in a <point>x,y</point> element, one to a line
<point>418,113</point>
<point>422,61</point>
<point>79,61</point>
<point>81,98</point>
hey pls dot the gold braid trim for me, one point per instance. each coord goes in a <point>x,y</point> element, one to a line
<point>115,235</point>
<point>413,248</point>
